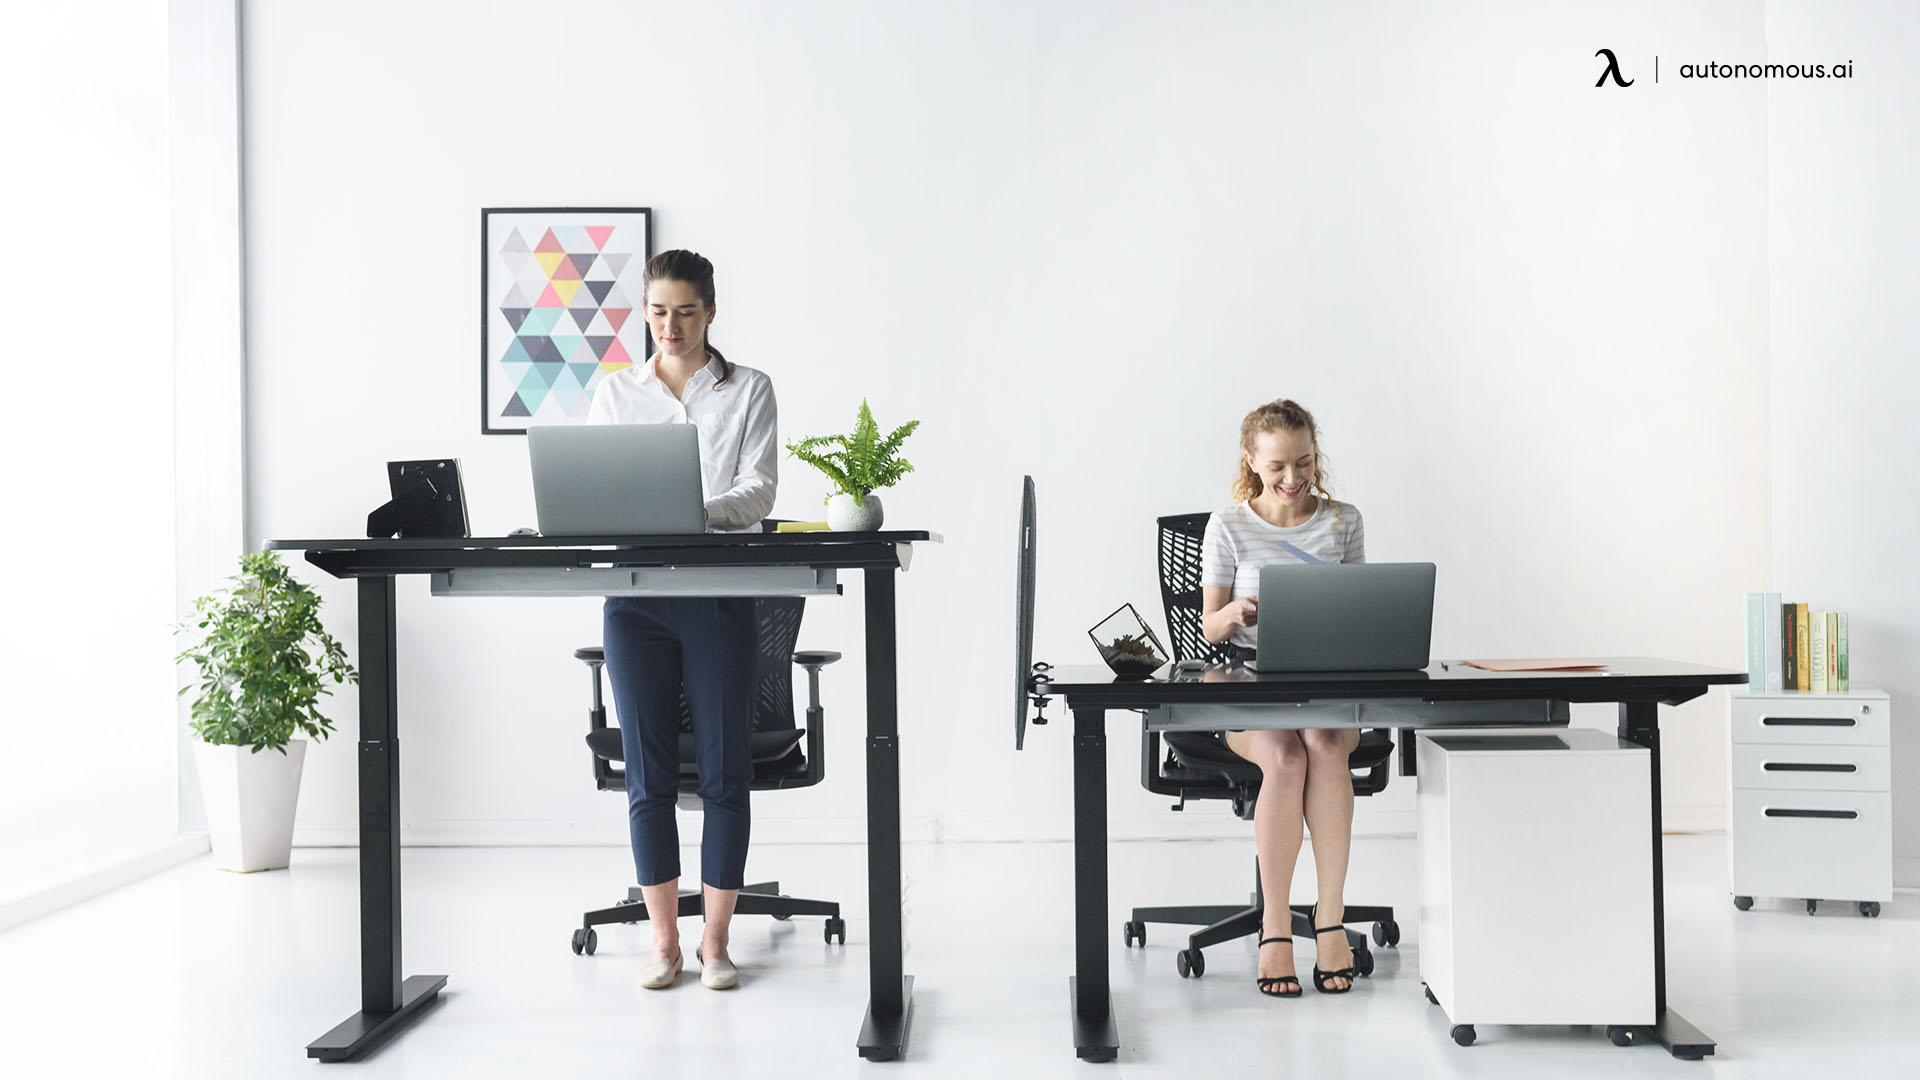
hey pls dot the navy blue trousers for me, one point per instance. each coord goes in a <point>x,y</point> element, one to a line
<point>656,647</point>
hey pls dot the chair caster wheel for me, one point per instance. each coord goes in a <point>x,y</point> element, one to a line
<point>1619,1035</point>
<point>1386,932</point>
<point>585,940</point>
<point>1431,1000</point>
<point>1870,909</point>
<point>836,931</point>
<point>1462,1034</point>
<point>1133,932</point>
<point>1811,905</point>
<point>1190,963</point>
<point>1363,961</point>
<point>1742,903</point>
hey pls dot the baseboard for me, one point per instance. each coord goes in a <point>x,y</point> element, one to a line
<point>80,883</point>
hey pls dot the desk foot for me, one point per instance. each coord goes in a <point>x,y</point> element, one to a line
<point>883,1036</point>
<point>363,1031</point>
<point>1681,1038</point>
<point>1095,1038</point>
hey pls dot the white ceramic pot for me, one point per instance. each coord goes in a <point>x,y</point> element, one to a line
<point>846,515</point>
<point>250,800</point>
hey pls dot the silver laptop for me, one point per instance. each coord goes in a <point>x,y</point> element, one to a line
<point>617,479</point>
<point>1344,617</point>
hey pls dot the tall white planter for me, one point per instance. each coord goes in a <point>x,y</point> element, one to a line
<point>846,514</point>
<point>250,800</point>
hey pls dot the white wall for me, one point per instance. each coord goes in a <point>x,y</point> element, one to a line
<point>1078,240</point>
<point>86,721</point>
<point>1844,158</point>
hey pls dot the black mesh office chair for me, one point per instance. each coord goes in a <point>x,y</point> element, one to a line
<point>780,760</point>
<point>1198,765</point>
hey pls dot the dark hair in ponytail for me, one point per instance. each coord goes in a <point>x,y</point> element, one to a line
<point>694,269</point>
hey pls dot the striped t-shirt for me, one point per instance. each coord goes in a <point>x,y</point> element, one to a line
<point>1238,542</point>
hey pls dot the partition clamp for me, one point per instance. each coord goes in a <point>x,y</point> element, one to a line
<point>1037,679</point>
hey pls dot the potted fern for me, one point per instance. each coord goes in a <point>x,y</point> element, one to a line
<point>859,464</point>
<point>264,660</point>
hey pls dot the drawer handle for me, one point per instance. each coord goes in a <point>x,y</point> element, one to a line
<point>1809,766</point>
<point>1807,721</point>
<point>1844,814</point>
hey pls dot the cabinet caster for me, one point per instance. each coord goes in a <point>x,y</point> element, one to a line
<point>1431,1000</point>
<point>585,940</point>
<point>1462,1034</point>
<point>1133,932</point>
<point>1811,905</point>
<point>1742,903</point>
<point>1386,932</point>
<point>1190,963</point>
<point>1619,1035</point>
<point>836,932</point>
<point>1870,909</point>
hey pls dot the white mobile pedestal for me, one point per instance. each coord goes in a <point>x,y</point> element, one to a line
<point>1536,879</point>
<point>1811,807</point>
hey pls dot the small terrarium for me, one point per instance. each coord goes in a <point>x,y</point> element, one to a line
<point>1128,644</point>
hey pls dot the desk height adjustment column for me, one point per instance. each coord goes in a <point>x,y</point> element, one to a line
<point>1090,990</point>
<point>883,1033</point>
<point>387,999</point>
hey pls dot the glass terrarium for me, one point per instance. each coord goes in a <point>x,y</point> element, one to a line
<point>1128,644</point>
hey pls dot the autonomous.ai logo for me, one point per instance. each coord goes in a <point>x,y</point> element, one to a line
<point>1612,71</point>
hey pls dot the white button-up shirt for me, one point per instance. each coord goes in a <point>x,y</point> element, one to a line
<point>739,450</point>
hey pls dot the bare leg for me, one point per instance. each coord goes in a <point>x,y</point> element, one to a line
<point>1276,832</point>
<point>1328,808</point>
<point>663,911</point>
<point>717,905</point>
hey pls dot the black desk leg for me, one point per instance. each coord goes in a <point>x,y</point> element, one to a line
<point>1089,991</point>
<point>387,1001</point>
<point>883,1035</point>
<point>1640,724</point>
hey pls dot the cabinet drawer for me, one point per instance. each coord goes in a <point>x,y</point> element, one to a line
<point>1819,767</point>
<point>1826,845</point>
<point>1809,719</point>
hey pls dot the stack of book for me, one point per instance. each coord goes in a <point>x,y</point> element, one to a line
<point>1792,648</point>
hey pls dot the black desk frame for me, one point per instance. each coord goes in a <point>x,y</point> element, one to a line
<point>389,1000</point>
<point>1638,686</point>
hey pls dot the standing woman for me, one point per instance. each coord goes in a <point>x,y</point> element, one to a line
<point>659,647</point>
<point>1283,512</point>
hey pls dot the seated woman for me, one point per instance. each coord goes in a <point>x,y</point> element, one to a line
<point>1283,512</point>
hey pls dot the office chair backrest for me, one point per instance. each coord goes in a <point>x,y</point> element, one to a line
<point>779,619</point>
<point>1179,563</point>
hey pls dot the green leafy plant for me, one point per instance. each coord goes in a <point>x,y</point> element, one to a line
<point>860,463</point>
<point>259,683</point>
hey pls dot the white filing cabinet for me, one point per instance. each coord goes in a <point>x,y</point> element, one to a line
<point>1536,878</point>
<point>1810,810</point>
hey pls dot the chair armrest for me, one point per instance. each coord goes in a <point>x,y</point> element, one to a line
<point>814,658</point>
<point>592,654</point>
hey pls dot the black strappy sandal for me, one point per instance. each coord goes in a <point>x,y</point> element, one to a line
<point>1271,987</point>
<point>1349,973</point>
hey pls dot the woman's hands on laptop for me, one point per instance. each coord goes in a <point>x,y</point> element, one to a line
<point>1242,612</point>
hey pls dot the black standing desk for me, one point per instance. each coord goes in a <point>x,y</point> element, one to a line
<point>1444,694</point>
<point>709,564</point>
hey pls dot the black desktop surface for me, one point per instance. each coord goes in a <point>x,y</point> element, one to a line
<point>1623,678</point>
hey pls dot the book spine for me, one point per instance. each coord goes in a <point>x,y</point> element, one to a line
<point>1800,646</point>
<point>1846,683</point>
<point>1770,633</point>
<point>1756,644</point>
<point>1833,652</point>
<point>1789,649</point>
<point>1817,652</point>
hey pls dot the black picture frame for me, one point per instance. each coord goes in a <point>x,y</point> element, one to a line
<point>541,360</point>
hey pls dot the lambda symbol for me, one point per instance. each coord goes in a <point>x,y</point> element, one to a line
<point>1613,69</point>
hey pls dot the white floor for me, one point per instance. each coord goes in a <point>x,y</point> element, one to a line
<point>199,973</point>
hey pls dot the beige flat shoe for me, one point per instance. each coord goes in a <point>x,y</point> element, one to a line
<point>660,973</point>
<point>719,974</point>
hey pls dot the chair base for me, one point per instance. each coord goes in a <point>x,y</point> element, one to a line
<point>1225,923</point>
<point>761,898</point>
